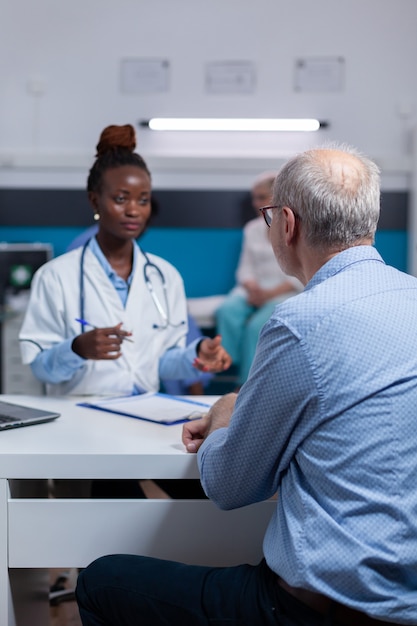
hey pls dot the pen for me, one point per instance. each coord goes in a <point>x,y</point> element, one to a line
<point>85,323</point>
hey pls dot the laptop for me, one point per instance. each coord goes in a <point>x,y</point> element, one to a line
<point>15,415</point>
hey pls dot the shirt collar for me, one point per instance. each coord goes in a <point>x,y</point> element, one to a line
<point>350,256</point>
<point>98,253</point>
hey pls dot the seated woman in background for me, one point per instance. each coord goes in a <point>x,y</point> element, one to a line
<point>108,318</point>
<point>261,285</point>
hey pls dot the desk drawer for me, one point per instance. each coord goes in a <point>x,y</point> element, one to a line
<point>72,533</point>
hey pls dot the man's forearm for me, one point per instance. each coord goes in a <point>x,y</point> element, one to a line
<point>221,412</point>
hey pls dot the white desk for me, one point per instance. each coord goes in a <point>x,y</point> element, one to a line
<point>84,443</point>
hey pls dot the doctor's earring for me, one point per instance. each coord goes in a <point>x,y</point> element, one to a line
<point>96,217</point>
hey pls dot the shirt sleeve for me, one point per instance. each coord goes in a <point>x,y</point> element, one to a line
<point>44,323</point>
<point>244,463</point>
<point>179,387</point>
<point>57,364</point>
<point>177,363</point>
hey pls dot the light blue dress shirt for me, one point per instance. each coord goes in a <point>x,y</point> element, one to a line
<point>60,362</point>
<point>328,418</point>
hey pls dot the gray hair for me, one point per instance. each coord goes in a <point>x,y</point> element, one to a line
<point>335,192</point>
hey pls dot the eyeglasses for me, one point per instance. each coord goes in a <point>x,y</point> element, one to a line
<point>267,213</point>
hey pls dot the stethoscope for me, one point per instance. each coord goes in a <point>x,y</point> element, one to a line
<point>147,269</point>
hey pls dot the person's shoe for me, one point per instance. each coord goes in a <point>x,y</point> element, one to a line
<point>59,593</point>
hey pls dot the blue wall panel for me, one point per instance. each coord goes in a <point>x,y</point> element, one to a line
<point>206,258</point>
<point>392,246</point>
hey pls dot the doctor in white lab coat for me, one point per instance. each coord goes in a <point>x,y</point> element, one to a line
<point>55,306</point>
<point>131,304</point>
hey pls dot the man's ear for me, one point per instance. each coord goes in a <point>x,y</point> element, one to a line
<point>290,225</point>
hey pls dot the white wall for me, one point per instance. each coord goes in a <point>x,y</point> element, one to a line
<point>73,49</point>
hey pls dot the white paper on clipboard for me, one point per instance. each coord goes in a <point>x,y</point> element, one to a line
<point>153,407</point>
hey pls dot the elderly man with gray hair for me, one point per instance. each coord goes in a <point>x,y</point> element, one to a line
<point>326,419</point>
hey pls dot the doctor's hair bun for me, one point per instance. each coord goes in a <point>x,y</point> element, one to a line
<point>116,148</point>
<point>113,137</point>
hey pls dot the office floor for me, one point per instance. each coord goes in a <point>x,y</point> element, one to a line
<point>66,613</point>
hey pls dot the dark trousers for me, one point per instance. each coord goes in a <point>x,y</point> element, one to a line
<point>141,591</point>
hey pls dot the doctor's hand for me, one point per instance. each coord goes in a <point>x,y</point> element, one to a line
<point>100,343</point>
<point>211,356</point>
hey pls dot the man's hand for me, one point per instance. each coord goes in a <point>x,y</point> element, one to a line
<point>212,357</point>
<point>195,432</point>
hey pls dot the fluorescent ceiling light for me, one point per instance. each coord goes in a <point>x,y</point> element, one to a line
<point>234,124</point>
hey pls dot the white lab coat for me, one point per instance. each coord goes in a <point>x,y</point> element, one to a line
<point>55,304</point>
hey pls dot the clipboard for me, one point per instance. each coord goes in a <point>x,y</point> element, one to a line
<point>159,408</point>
